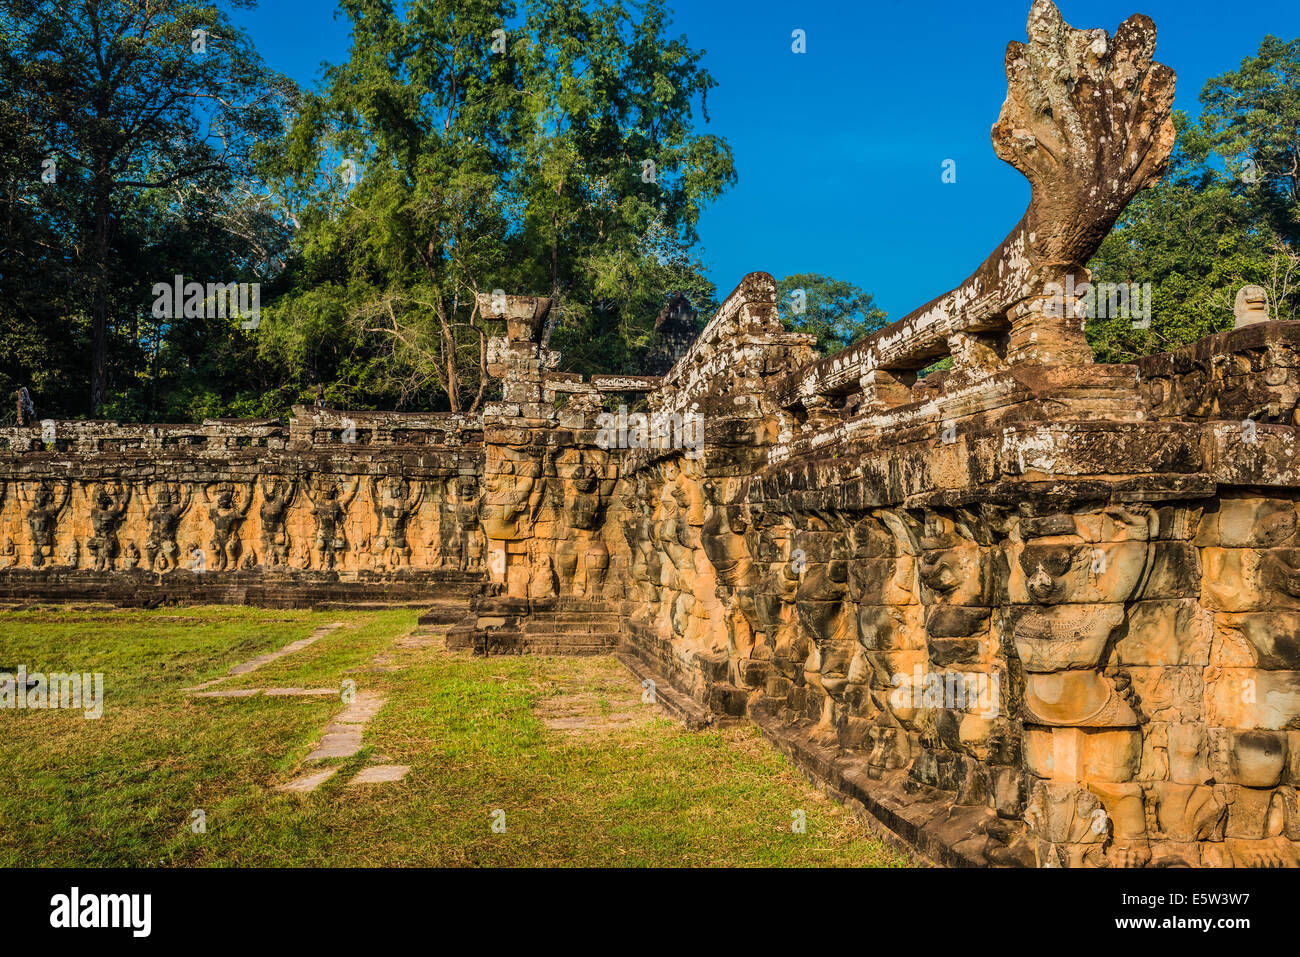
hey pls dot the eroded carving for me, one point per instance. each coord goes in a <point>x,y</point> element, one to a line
<point>168,502</point>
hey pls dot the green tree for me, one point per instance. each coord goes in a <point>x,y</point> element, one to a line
<point>494,149</point>
<point>152,114</point>
<point>838,313</point>
<point>1224,215</point>
<point>1251,119</point>
<point>37,265</point>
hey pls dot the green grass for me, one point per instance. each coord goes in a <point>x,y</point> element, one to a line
<point>628,787</point>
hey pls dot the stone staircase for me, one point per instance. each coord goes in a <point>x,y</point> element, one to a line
<point>565,626</point>
<point>695,688</point>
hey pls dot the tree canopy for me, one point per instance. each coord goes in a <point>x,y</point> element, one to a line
<point>838,313</point>
<point>136,132</point>
<point>464,148</point>
<point>1224,216</point>
<point>551,149</point>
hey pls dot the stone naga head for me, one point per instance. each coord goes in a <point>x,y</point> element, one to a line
<point>1087,121</point>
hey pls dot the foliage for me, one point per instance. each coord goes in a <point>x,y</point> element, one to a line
<point>838,313</point>
<point>493,149</point>
<point>1224,216</point>
<point>549,147</point>
<point>152,116</point>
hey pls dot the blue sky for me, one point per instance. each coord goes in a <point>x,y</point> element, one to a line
<point>839,150</point>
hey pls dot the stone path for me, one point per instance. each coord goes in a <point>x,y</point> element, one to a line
<point>584,709</point>
<point>269,692</point>
<point>306,783</point>
<point>247,666</point>
<point>342,737</point>
<point>380,774</point>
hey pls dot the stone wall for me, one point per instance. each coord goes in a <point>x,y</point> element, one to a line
<point>1017,615</point>
<point>1015,610</point>
<point>1028,610</point>
<point>354,505</point>
<point>1023,622</point>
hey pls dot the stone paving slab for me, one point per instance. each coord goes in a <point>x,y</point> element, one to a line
<point>288,649</point>
<point>252,665</point>
<point>306,783</point>
<point>342,737</point>
<point>361,708</point>
<point>380,774</point>
<point>207,684</point>
<point>337,744</point>
<point>269,692</point>
<point>417,641</point>
<point>301,692</point>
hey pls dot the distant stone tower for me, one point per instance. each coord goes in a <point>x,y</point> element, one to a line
<point>676,327</point>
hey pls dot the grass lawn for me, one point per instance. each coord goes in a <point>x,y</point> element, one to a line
<point>585,773</point>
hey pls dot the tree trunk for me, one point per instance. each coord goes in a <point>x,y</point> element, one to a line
<point>449,356</point>
<point>482,362</point>
<point>555,272</point>
<point>99,251</point>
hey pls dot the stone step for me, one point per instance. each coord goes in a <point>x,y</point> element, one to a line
<point>366,605</point>
<point>579,638</point>
<point>573,618</point>
<point>443,614</point>
<point>535,626</point>
<point>676,704</point>
<point>460,640</point>
<point>513,643</point>
<point>565,649</point>
<point>576,606</point>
